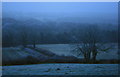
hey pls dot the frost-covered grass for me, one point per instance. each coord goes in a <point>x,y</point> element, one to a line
<point>61,49</point>
<point>9,54</point>
<point>18,56</point>
<point>62,69</point>
<point>65,49</point>
<point>56,69</point>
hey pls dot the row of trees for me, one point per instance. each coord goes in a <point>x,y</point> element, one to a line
<point>19,33</point>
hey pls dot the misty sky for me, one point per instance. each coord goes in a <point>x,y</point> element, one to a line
<point>83,11</point>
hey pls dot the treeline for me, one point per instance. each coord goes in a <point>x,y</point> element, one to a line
<point>32,31</point>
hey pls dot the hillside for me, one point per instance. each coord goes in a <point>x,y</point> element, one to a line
<point>20,56</point>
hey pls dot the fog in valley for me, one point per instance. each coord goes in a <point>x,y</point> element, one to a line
<point>57,23</point>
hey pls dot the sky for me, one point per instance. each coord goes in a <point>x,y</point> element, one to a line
<point>85,11</point>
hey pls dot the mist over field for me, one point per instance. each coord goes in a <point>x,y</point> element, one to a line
<point>84,33</point>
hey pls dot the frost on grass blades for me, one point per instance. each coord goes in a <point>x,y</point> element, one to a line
<point>59,38</point>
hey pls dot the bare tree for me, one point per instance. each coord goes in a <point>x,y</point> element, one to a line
<point>24,36</point>
<point>34,36</point>
<point>90,45</point>
<point>34,39</point>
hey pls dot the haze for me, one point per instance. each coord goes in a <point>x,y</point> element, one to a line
<point>84,12</point>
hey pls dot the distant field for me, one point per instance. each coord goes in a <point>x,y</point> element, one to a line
<point>62,69</point>
<point>13,55</point>
<point>61,49</point>
<point>65,49</point>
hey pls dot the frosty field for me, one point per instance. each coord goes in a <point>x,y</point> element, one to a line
<point>62,69</point>
<point>65,49</point>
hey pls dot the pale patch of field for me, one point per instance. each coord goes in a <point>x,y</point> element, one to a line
<point>62,69</point>
<point>61,49</point>
<point>65,49</point>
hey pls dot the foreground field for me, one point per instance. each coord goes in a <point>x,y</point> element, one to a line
<point>62,69</point>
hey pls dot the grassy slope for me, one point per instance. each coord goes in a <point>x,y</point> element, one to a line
<point>30,56</point>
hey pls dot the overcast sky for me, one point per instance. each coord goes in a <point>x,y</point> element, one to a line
<point>101,11</point>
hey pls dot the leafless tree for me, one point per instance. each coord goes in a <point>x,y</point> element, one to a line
<point>24,36</point>
<point>33,36</point>
<point>90,44</point>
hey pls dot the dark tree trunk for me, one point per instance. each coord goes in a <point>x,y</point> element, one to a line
<point>34,44</point>
<point>94,54</point>
<point>87,57</point>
